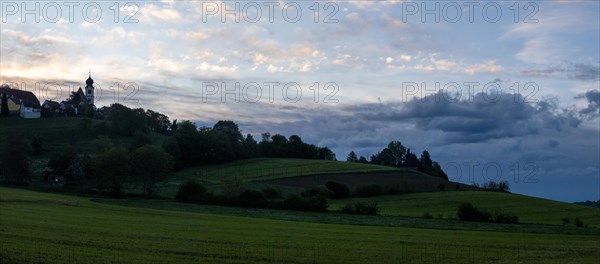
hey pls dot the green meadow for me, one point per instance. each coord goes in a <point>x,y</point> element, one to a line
<point>50,228</point>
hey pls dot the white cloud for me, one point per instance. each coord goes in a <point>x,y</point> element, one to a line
<point>205,66</point>
<point>151,12</point>
<point>486,67</point>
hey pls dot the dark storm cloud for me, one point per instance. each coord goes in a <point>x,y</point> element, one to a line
<point>593,99</point>
<point>578,71</point>
<point>483,118</point>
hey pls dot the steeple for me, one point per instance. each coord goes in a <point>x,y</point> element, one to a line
<point>89,89</point>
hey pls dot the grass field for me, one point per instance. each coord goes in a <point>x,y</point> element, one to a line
<point>528,209</point>
<point>49,228</point>
<point>253,170</point>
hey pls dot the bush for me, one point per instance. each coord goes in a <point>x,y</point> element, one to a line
<point>361,208</point>
<point>191,192</point>
<point>508,219</point>
<point>369,190</point>
<point>566,221</point>
<point>272,193</point>
<point>427,215</point>
<point>251,198</point>
<point>317,192</point>
<point>578,222</point>
<point>340,191</point>
<point>315,203</point>
<point>468,212</point>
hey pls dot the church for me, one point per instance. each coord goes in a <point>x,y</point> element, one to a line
<point>76,104</point>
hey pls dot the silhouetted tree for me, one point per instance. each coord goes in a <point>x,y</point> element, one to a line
<point>139,139</point>
<point>4,112</point>
<point>411,160</point>
<point>362,159</point>
<point>111,169</point>
<point>351,157</point>
<point>150,164</point>
<point>397,152</point>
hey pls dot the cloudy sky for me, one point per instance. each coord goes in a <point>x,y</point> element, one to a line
<point>494,90</point>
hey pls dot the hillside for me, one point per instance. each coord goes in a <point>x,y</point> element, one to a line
<point>60,133</point>
<point>528,209</point>
<point>51,228</point>
<point>254,171</point>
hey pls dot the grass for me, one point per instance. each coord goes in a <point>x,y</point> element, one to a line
<point>50,228</point>
<point>260,169</point>
<point>276,168</point>
<point>528,209</point>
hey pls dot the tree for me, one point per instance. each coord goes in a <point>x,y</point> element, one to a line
<point>172,148</point>
<point>503,186</point>
<point>411,160</point>
<point>14,165</point>
<point>101,144</point>
<point>250,147</point>
<point>398,152</point>
<point>387,157</point>
<point>425,160</point>
<point>140,139</point>
<point>351,157</point>
<point>5,112</point>
<point>362,159</point>
<point>150,164</point>
<point>111,169</point>
<point>126,121</point>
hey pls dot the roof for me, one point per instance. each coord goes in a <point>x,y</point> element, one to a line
<point>51,104</point>
<point>28,98</point>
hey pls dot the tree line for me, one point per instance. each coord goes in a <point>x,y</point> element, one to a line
<point>107,167</point>
<point>397,155</point>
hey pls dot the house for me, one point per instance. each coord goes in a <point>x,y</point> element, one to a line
<point>24,103</point>
<point>50,108</point>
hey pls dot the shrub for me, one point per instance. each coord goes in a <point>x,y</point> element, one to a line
<point>468,212</point>
<point>191,192</point>
<point>272,193</point>
<point>369,190</point>
<point>427,215</point>
<point>578,222</point>
<point>251,198</point>
<point>340,191</point>
<point>566,221</point>
<point>317,192</point>
<point>315,203</point>
<point>233,187</point>
<point>503,218</point>
<point>361,208</point>
<point>503,186</point>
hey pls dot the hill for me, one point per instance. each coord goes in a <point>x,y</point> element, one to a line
<point>253,172</point>
<point>51,228</point>
<point>60,133</point>
<point>528,209</point>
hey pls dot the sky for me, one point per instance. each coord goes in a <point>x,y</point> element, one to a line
<point>494,90</point>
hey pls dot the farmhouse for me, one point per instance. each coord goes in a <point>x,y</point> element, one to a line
<point>23,103</point>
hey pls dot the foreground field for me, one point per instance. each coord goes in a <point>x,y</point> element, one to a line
<point>49,228</point>
<point>443,204</point>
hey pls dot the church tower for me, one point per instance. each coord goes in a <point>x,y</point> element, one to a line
<point>89,90</point>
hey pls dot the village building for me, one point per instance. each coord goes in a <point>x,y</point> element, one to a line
<point>22,103</point>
